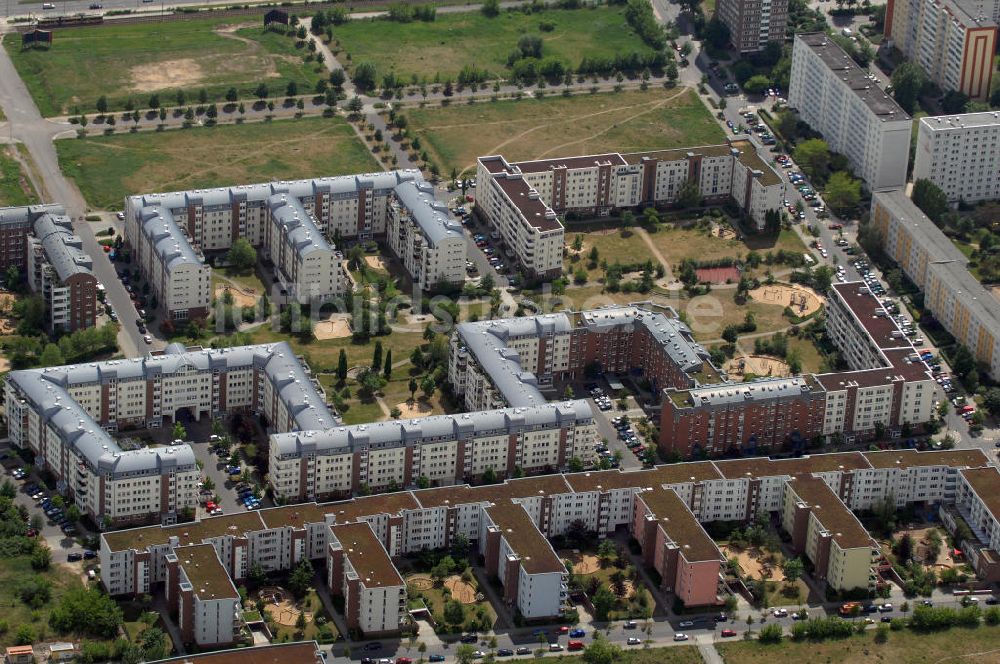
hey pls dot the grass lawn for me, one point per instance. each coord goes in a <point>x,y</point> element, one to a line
<point>123,61</point>
<point>611,247</point>
<point>953,645</point>
<point>322,355</point>
<point>436,597</point>
<point>107,168</point>
<point>809,355</point>
<point>13,572</point>
<point>675,655</point>
<point>558,126</point>
<point>246,279</point>
<point>710,314</point>
<point>311,604</point>
<point>676,244</point>
<point>15,189</point>
<point>453,41</point>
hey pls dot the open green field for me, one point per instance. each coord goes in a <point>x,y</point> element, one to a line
<point>558,126</point>
<point>676,244</point>
<point>14,571</point>
<point>955,645</point>
<point>611,247</point>
<point>107,168</point>
<point>15,189</point>
<point>452,41</point>
<point>123,61</point>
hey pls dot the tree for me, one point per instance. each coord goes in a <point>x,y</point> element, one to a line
<point>454,613</point>
<point>618,583</point>
<point>292,89</point>
<point>262,91</point>
<point>377,357</point>
<point>757,84</point>
<point>412,387</point>
<point>365,76</point>
<point>102,105</point>
<point>813,156</point>
<point>242,255</point>
<point>51,356</point>
<point>491,8</point>
<point>465,653</point>
<point>73,513</point>
<point>716,33</point>
<point>180,433</point>
<point>602,651</point>
<point>427,386</point>
<point>930,199</point>
<point>793,568</point>
<point>904,549</point>
<point>342,366</point>
<point>25,635</point>
<point>387,365</point>
<point>605,552</point>
<point>603,602</point>
<point>41,558</point>
<point>843,193</point>
<point>907,82</point>
<point>87,611</point>
<point>300,579</point>
<point>232,94</point>
<point>689,194</point>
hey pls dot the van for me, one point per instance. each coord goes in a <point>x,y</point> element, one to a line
<point>48,5</point>
<point>847,32</point>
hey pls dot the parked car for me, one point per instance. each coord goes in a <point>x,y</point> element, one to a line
<point>523,650</point>
<point>728,632</point>
<point>680,636</point>
<point>634,641</point>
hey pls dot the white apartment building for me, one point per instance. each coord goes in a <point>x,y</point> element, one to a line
<point>426,240</point>
<point>856,118</point>
<point>203,598</point>
<point>953,41</point>
<point>600,184</point>
<point>359,569</point>
<point>64,414</point>
<point>62,273</point>
<point>978,505</point>
<point>958,301</point>
<point>307,267</point>
<point>442,449</point>
<point>961,155</point>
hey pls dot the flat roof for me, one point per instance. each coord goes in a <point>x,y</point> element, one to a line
<point>960,121</point>
<point>446,496</point>
<point>852,76</point>
<point>831,512</point>
<point>986,483</point>
<point>748,157</point>
<point>973,458</point>
<point>581,161</point>
<point>524,538</point>
<point>297,514</point>
<point>677,154</point>
<point>186,533</point>
<point>526,199</point>
<point>538,485</point>
<point>384,503</point>
<point>367,555</point>
<point>814,463</point>
<point>300,652</point>
<point>859,299</point>
<point>205,571</point>
<point>680,525</point>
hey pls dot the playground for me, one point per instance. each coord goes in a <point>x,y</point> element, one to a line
<point>755,563</point>
<point>583,563</point>
<point>280,607</point>
<point>414,408</point>
<point>420,582</point>
<point>336,326</point>
<point>240,298</point>
<point>460,590</point>
<point>801,300</point>
<point>376,262</point>
<point>756,365</point>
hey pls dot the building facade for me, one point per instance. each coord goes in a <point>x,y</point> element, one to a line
<point>953,41</point>
<point>952,294</point>
<point>202,597</point>
<point>360,571</point>
<point>513,195</point>
<point>961,155</point>
<point>856,118</point>
<point>429,243</point>
<point>754,23</point>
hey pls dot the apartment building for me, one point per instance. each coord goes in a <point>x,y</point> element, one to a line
<point>761,413</point>
<point>856,118</point>
<point>978,506</point>
<point>39,241</point>
<point>360,571</point>
<point>961,155</point>
<point>201,597</point>
<point>754,23</point>
<point>597,185</point>
<point>441,449</point>
<point>506,362</point>
<point>952,294</point>
<point>428,242</point>
<point>888,388</point>
<point>64,415</point>
<point>678,548</point>
<point>823,528</point>
<point>953,41</point>
<point>297,652</point>
<point>61,272</point>
<point>296,225</point>
<point>510,525</point>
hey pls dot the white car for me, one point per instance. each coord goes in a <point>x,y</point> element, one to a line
<point>120,215</point>
<point>634,640</point>
<point>780,613</point>
<point>680,636</point>
<point>148,339</point>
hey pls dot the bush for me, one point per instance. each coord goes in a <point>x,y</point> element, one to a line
<point>770,634</point>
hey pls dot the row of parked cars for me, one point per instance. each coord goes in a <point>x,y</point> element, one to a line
<point>628,436</point>
<point>602,400</point>
<point>39,495</point>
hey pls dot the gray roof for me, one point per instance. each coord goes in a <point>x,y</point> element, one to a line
<point>413,432</point>
<point>296,225</point>
<point>430,215</point>
<point>47,390</point>
<point>758,390</point>
<point>919,226</point>
<point>673,336</point>
<point>169,242</point>
<point>851,76</point>
<point>960,121</point>
<point>63,249</point>
<point>26,214</point>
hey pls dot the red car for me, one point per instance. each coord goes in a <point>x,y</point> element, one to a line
<point>574,645</point>
<point>404,660</point>
<point>564,630</point>
<point>835,227</point>
<point>728,632</point>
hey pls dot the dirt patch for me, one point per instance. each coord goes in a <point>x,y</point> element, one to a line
<point>153,76</point>
<point>723,232</point>
<point>376,262</point>
<point>758,365</point>
<point>240,299</point>
<point>460,590</point>
<point>7,327</point>
<point>411,409</point>
<point>583,563</point>
<point>921,544</point>
<point>4,364</point>
<point>336,326</point>
<point>752,562</point>
<point>803,301</point>
<point>420,582</point>
<point>7,303</point>
<point>286,613</point>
